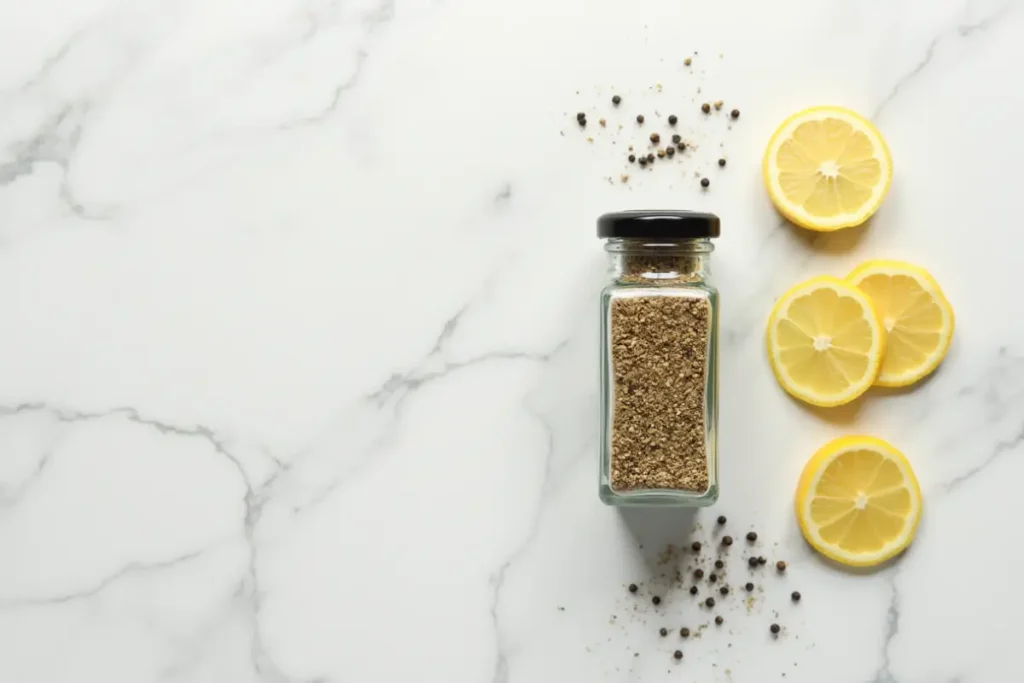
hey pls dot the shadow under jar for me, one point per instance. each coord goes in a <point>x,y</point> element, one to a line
<point>659,360</point>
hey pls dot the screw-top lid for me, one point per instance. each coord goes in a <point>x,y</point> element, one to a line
<point>659,224</point>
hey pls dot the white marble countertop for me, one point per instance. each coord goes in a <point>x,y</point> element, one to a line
<point>299,350</point>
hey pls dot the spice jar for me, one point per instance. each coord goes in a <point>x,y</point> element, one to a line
<point>659,360</point>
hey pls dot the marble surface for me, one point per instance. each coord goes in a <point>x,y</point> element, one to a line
<point>299,351</point>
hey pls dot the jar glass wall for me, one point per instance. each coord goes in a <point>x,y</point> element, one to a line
<point>659,361</point>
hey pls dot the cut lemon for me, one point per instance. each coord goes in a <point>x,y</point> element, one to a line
<point>916,314</point>
<point>858,501</point>
<point>827,168</point>
<point>825,341</point>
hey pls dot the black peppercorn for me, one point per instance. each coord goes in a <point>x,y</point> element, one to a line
<point>632,158</point>
<point>752,561</point>
<point>710,602</point>
<point>719,620</point>
<point>735,113</point>
<point>672,120</point>
<point>632,588</point>
<point>684,632</point>
<point>693,590</point>
<point>724,590</point>
<point>704,182</point>
<point>721,163</point>
<point>581,116</point>
<point>639,118</point>
<point>681,146</point>
<point>670,151</point>
<point>749,587</point>
<point>775,628</point>
<point>726,540</point>
<point>780,565</point>
<point>751,536</point>
<point>663,631</point>
<point>677,138</point>
<point>706,108</point>
<point>678,654</point>
<point>650,158</point>
<point>795,595</point>
<point>698,573</point>
<point>713,577</point>
<point>762,560</point>
<point>695,546</point>
<point>656,600</point>
<point>643,161</point>
<point>721,519</point>
<point>616,99</point>
<point>719,564</point>
<point>655,138</point>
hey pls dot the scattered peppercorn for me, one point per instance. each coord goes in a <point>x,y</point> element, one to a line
<point>639,118</point>
<point>681,146</point>
<point>632,158</point>
<point>678,654</point>
<point>693,590</point>
<point>719,620</point>
<point>698,573</point>
<point>719,564</point>
<point>656,600</point>
<point>684,632</point>
<point>704,182</point>
<point>706,108</point>
<point>710,602</point>
<point>661,154</point>
<point>672,119</point>
<point>751,536</point>
<point>677,138</point>
<point>670,151</point>
<point>726,540</point>
<point>643,161</point>
<point>780,565</point>
<point>775,628</point>
<point>688,61</point>
<point>650,158</point>
<point>752,561</point>
<point>795,595</point>
<point>724,590</point>
<point>655,138</point>
<point>695,546</point>
<point>721,163</point>
<point>762,560</point>
<point>713,577</point>
<point>735,113</point>
<point>663,631</point>
<point>616,99</point>
<point>602,122</point>
<point>721,520</point>
<point>581,116</point>
<point>749,587</point>
<point>632,588</point>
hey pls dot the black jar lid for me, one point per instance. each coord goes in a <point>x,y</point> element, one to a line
<point>659,224</point>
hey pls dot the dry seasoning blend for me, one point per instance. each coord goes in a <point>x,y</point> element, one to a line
<point>659,360</point>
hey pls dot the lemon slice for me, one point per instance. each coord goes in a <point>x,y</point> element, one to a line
<point>825,341</point>
<point>858,501</point>
<point>915,312</point>
<point>827,168</point>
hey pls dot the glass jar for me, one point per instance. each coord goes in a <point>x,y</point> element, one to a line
<point>659,360</point>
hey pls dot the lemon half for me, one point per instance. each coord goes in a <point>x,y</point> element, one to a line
<point>827,168</point>
<point>858,501</point>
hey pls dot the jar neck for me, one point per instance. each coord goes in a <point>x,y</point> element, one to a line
<point>646,261</point>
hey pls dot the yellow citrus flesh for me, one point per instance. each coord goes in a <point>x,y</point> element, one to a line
<point>916,314</point>
<point>825,342</point>
<point>827,168</point>
<point>858,501</point>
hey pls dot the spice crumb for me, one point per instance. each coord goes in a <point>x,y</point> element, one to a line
<point>735,113</point>
<point>780,565</point>
<point>602,122</point>
<point>795,595</point>
<point>633,588</point>
<point>718,104</point>
<point>719,620</point>
<point>624,177</point>
<point>639,118</point>
<point>656,600</point>
<point>706,108</point>
<point>688,61</point>
<point>704,182</point>
<point>678,654</point>
<point>663,631</point>
<point>616,100</point>
<point>751,535</point>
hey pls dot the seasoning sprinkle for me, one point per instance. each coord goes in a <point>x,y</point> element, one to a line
<point>722,520</point>
<point>719,620</point>
<point>724,590</point>
<point>735,113</point>
<point>795,595</point>
<point>713,577</point>
<point>656,600</point>
<point>681,146</point>
<point>670,151</point>
<point>632,588</point>
<point>752,561</point>
<point>775,628</point>
<point>661,154</point>
<point>718,104</point>
<point>710,602</point>
<point>693,590</point>
<point>632,158</point>
<point>672,119</point>
<point>678,654</point>
<point>639,118</point>
<point>706,108</point>
<point>719,564</point>
<point>616,100</point>
<point>677,138</point>
<point>751,536</point>
<point>655,138</point>
<point>688,61</point>
<point>695,546</point>
<point>650,158</point>
<point>749,587</point>
<point>581,116</point>
<point>721,163</point>
<point>704,182</point>
<point>698,573</point>
<point>762,560</point>
<point>684,632</point>
<point>663,631</point>
<point>780,565</point>
<point>643,161</point>
<point>727,540</point>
